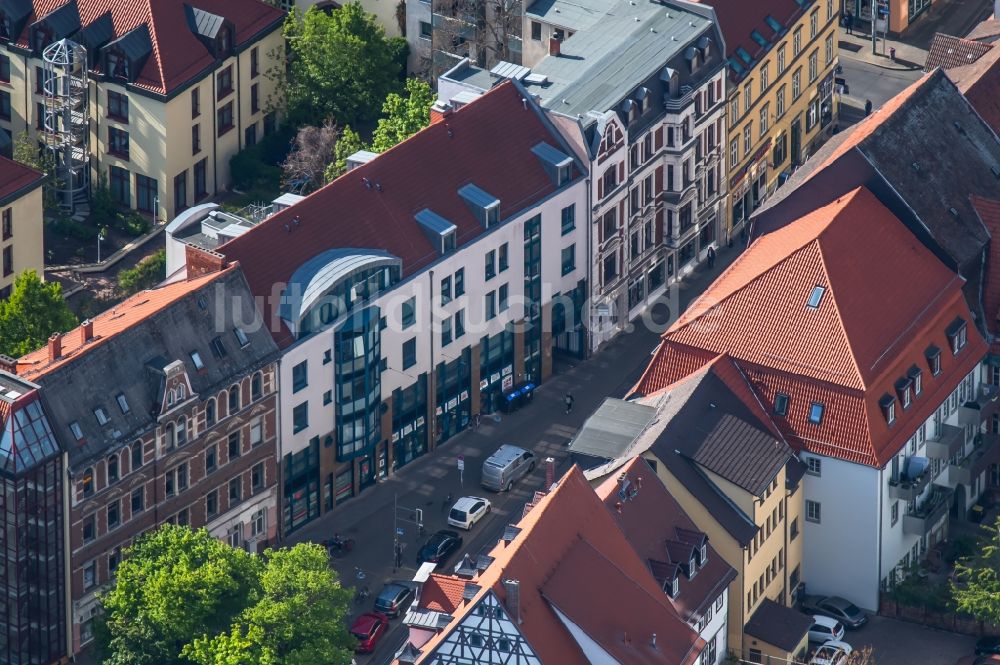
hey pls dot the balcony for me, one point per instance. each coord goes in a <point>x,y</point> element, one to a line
<point>986,403</point>
<point>946,444</point>
<point>674,104</point>
<point>985,453</point>
<point>912,483</point>
<point>928,513</point>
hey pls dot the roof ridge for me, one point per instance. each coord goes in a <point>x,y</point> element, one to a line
<point>846,339</point>
<point>151,26</point>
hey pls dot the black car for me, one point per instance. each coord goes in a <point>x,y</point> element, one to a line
<point>988,646</point>
<point>393,599</point>
<point>439,547</point>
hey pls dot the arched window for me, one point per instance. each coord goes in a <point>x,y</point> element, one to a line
<point>256,385</point>
<point>88,481</point>
<point>182,433</point>
<point>112,468</point>
<point>181,392</point>
<point>169,436</point>
<point>234,399</point>
<point>136,455</point>
<point>210,412</point>
<point>170,398</point>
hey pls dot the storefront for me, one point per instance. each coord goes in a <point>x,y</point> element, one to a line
<point>496,369</point>
<point>409,423</point>
<point>454,408</point>
<point>569,334</point>
<point>301,486</point>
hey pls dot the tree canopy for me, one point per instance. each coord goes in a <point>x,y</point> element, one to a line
<point>182,596</point>
<point>34,310</point>
<point>977,591</point>
<point>342,66</point>
<point>402,117</point>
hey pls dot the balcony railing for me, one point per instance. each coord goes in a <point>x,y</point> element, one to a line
<point>908,489</point>
<point>985,404</point>
<point>947,443</point>
<point>928,513</point>
<point>671,103</point>
<point>985,453</point>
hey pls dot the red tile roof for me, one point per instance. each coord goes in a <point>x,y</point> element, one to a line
<point>569,536</point>
<point>425,171</point>
<point>980,83</point>
<point>178,55</point>
<point>886,300</point>
<point>112,322</point>
<point>947,52</point>
<point>442,593</point>
<point>738,18</point>
<point>16,178</point>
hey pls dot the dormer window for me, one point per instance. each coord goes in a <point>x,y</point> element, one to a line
<point>958,333</point>
<point>933,355</point>
<point>448,242</point>
<point>903,392</point>
<point>556,163</point>
<point>781,404</point>
<point>675,587</point>
<point>224,42</point>
<point>704,554</point>
<point>116,66</point>
<point>642,99</point>
<point>483,205</point>
<point>42,39</point>
<point>630,110</point>
<point>888,406</point>
<point>692,569</point>
<point>917,377</point>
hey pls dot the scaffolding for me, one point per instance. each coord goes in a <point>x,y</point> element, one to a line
<point>66,124</point>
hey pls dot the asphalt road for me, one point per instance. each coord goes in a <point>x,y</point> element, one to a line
<point>866,81</point>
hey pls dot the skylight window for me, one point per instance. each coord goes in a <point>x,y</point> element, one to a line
<point>815,297</point>
<point>759,38</point>
<point>101,415</point>
<point>816,413</point>
<point>736,66</point>
<point>74,427</point>
<point>122,402</point>
<point>241,336</point>
<point>196,359</point>
<point>773,24</point>
<point>744,55</point>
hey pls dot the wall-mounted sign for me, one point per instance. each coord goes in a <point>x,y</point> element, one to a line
<point>494,377</point>
<point>484,384</point>
<point>508,369</point>
<point>508,382</point>
<point>464,396</point>
<point>452,403</point>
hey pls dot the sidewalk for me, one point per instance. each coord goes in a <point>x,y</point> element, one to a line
<point>951,17</point>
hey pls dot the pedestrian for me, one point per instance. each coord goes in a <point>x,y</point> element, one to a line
<point>446,502</point>
<point>569,402</point>
<point>868,107</point>
<point>849,22</point>
<point>711,257</point>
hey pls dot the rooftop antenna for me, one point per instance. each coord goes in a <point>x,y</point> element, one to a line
<point>368,183</point>
<point>378,186</point>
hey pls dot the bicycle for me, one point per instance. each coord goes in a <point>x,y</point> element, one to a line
<point>361,595</point>
<point>359,574</point>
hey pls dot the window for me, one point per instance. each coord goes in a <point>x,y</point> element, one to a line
<point>224,119</point>
<point>235,490</point>
<point>815,297</point>
<point>888,404</point>
<point>813,65</point>
<point>734,107</point>
<point>764,76</point>
<point>4,69</point>
<point>200,182</point>
<point>195,103</point>
<point>459,323</point>
<point>934,359</point>
<point>568,259</point>
<point>610,268</point>
<point>212,503</point>
<point>816,413</point>
<point>446,331</point>
<point>258,522</point>
<point>814,466</point>
<point>491,264</point>
<point>254,102</point>
<point>409,353</point>
<point>5,109</point>
<point>256,432</point>
<point>101,415</point>
<point>797,83</point>
<point>112,468</point>
<point>195,139</point>
<point>611,222</point>
<point>8,224</point>
<point>90,574</point>
<point>117,106</point>
<point>797,42</point>
<point>446,290</point>
<point>145,193</point>
<point>747,95</point>
<point>211,459</point>
<point>224,82</point>
<point>918,379</point>
<point>180,190</point>
<point>781,58</point>
<point>234,400</point>
<point>502,298</point>
<point>765,112</point>
<point>568,218</point>
<point>138,500</point>
<point>114,514</point>
<point>328,397</point>
<point>254,62</point>
<point>812,511</point>
<point>89,528</point>
<point>136,455</point>
<point>257,478</point>
<point>828,58</point>
<point>118,142</point>
<point>781,404</point>
<point>780,102</point>
<point>894,513</point>
<point>300,377</point>
<point>813,24</point>
<point>755,656</point>
<point>734,153</point>
<point>958,335</point>
<point>748,138</point>
<point>536,31</point>
<point>300,417</point>
<point>425,30</point>
<point>256,386</point>
<point>491,305</point>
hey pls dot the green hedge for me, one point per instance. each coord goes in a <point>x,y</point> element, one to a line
<point>147,273</point>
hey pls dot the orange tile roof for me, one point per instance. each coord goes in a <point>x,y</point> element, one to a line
<point>948,52</point>
<point>567,523</point>
<point>112,322</point>
<point>442,593</point>
<point>846,353</point>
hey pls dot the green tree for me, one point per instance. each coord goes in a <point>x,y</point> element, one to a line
<point>34,310</point>
<point>300,618</point>
<point>348,144</point>
<point>26,152</point>
<point>146,274</point>
<point>977,591</point>
<point>342,66</point>
<point>174,585</point>
<point>403,116</point>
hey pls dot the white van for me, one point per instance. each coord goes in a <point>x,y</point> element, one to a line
<point>506,466</point>
<point>467,511</point>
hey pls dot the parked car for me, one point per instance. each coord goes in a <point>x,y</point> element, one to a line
<point>393,599</point>
<point>506,466</point>
<point>368,629</point>
<point>825,629</point>
<point>837,608</point>
<point>439,547</point>
<point>468,510</point>
<point>988,645</point>
<point>839,644</point>
<point>828,655</point>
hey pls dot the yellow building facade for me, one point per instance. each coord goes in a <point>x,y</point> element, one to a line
<point>781,101</point>
<point>21,244</point>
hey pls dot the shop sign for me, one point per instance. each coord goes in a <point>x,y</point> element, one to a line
<point>464,396</point>
<point>420,421</point>
<point>494,377</point>
<point>508,369</point>
<point>484,384</point>
<point>407,429</point>
<point>452,403</point>
<point>438,411</point>
<point>395,437</point>
<point>508,382</point>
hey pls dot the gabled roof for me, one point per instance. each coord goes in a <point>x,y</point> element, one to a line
<point>948,52</point>
<point>373,206</point>
<point>178,56</point>
<point>442,593</point>
<point>567,536</point>
<point>16,179</point>
<point>132,343</point>
<point>980,83</point>
<point>883,302</point>
<point>651,516</point>
<point>784,627</point>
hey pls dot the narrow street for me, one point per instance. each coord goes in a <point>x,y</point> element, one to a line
<point>542,426</point>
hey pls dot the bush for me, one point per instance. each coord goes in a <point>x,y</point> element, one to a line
<point>147,273</point>
<point>68,228</point>
<point>258,165</point>
<point>131,223</point>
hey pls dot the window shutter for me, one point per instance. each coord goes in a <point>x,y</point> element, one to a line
<point>658,138</point>
<point>600,189</point>
<point>659,227</point>
<point>621,171</point>
<point>659,179</point>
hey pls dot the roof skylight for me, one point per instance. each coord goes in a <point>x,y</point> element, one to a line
<point>815,297</point>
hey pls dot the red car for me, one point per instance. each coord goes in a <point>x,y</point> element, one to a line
<point>368,628</point>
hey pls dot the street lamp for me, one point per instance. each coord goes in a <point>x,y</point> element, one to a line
<point>100,237</point>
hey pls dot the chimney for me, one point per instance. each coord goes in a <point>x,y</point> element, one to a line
<point>555,45</point>
<point>652,641</point>
<point>55,347</point>
<point>550,472</point>
<point>440,111</point>
<point>8,364</point>
<point>86,331</point>
<point>513,591</point>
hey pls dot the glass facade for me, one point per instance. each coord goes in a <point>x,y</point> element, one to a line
<point>301,486</point>
<point>453,410</point>
<point>32,616</point>
<point>357,357</point>
<point>569,335</point>
<point>346,294</point>
<point>496,366</point>
<point>409,422</point>
<point>533,299</point>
